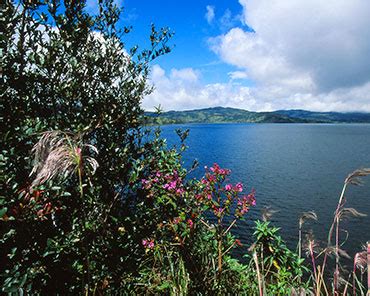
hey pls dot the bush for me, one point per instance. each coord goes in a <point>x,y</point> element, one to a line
<point>69,85</point>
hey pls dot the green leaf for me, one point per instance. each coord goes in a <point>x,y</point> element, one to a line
<point>3,212</point>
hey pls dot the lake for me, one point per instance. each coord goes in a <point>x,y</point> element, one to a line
<point>293,168</point>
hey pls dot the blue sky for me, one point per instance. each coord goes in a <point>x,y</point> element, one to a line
<point>258,55</point>
<point>187,19</point>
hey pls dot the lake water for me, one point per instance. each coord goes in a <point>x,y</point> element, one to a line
<point>293,168</point>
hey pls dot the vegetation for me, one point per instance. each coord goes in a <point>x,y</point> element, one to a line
<point>94,203</point>
<point>232,115</point>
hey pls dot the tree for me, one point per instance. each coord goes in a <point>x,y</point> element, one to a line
<point>70,85</point>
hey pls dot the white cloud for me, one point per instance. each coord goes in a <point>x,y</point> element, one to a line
<point>210,14</point>
<point>305,54</point>
<point>237,75</point>
<point>312,55</point>
<point>329,39</point>
<point>182,89</point>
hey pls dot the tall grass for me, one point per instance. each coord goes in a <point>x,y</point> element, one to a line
<point>333,247</point>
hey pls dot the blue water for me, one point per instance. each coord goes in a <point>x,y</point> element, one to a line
<point>293,168</point>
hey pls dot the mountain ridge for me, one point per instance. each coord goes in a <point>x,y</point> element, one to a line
<point>236,115</point>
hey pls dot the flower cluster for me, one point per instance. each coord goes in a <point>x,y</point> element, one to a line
<point>223,199</point>
<point>148,244</point>
<point>171,183</point>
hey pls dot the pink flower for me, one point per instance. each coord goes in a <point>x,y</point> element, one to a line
<point>190,223</point>
<point>78,151</point>
<point>146,183</point>
<point>179,191</point>
<point>148,244</point>
<point>158,174</point>
<point>228,187</point>
<point>244,210</point>
<point>211,178</point>
<point>251,198</point>
<point>239,187</point>
<point>224,172</point>
<point>173,185</point>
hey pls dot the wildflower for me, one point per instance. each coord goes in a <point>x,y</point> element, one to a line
<point>190,223</point>
<point>146,184</point>
<point>151,244</point>
<point>228,187</point>
<point>179,191</point>
<point>251,198</point>
<point>148,244</point>
<point>215,168</point>
<point>239,187</point>
<point>170,186</point>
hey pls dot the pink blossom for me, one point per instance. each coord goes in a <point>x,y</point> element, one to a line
<point>239,187</point>
<point>158,174</point>
<point>228,187</point>
<point>190,223</point>
<point>211,178</point>
<point>146,183</point>
<point>173,185</point>
<point>224,172</point>
<point>244,210</point>
<point>179,191</point>
<point>148,243</point>
<point>78,150</point>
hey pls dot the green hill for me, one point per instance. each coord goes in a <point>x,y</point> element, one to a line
<point>234,115</point>
<point>350,117</point>
<point>219,115</point>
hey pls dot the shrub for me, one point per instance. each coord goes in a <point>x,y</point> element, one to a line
<point>70,85</point>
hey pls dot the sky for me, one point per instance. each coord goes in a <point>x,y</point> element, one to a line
<point>259,55</point>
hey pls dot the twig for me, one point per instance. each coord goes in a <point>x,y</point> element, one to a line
<point>258,274</point>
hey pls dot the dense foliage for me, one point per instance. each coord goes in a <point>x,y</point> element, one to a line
<point>94,203</point>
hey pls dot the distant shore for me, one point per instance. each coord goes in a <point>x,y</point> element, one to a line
<point>234,115</point>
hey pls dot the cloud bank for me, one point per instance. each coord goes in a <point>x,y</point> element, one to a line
<point>301,54</point>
